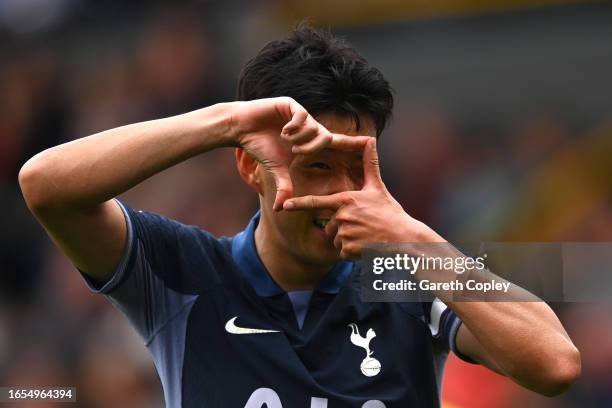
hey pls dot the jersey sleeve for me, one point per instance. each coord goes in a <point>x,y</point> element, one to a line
<point>444,325</point>
<point>165,265</point>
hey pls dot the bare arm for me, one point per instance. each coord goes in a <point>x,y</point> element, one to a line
<point>69,188</point>
<point>522,340</point>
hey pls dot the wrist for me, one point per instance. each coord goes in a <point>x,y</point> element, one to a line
<point>215,124</point>
<point>417,231</point>
<point>237,128</point>
<point>232,134</point>
<point>426,234</point>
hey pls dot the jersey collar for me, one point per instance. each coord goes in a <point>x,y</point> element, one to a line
<point>253,269</point>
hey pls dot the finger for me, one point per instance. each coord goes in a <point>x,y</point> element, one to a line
<point>321,140</point>
<point>338,242</point>
<point>297,121</point>
<point>303,135</point>
<point>350,251</point>
<point>331,229</point>
<point>348,143</point>
<point>284,186</point>
<point>311,202</point>
<point>371,167</point>
<point>335,141</point>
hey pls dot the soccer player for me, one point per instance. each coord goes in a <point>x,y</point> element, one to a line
<point>273,315</point>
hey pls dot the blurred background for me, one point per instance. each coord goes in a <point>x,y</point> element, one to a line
<point>502,131</point>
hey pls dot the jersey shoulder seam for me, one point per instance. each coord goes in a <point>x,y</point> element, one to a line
<point>188,303</point>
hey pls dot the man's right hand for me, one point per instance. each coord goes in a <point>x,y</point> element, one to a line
<point>69,188</point>
<point>273,130</point>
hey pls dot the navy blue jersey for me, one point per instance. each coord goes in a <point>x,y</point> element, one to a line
<point>223,334</point>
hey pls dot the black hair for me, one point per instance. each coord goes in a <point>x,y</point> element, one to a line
<point>320,71</point>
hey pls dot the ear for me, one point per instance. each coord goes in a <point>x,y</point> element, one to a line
<point>247,168</point>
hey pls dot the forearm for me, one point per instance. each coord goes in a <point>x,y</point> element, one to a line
<point>88,171</point>
<point>517,335</point>
<point>523,340</point>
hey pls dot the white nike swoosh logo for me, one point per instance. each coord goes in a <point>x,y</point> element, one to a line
<point>231,327</point>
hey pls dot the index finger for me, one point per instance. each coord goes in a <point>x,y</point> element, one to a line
<point>328,140</point>
<point>310,202</point>
<point>348,143</point>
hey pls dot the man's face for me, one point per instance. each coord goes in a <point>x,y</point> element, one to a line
<point>302,233</point>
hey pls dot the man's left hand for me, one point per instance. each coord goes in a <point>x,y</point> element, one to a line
<point>370,215</point>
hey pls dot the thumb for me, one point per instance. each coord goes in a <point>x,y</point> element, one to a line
<point>284,186</point>
<point>371,167</point>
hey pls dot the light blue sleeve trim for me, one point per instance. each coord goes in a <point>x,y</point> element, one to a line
<point>121,269</point>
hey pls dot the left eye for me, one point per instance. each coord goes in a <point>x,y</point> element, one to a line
<point>319,165</point>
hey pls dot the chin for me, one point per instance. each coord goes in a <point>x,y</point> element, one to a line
<point>322,254</point>
<point>315,248</point>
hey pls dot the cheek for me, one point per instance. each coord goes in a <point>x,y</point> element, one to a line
<point>268,186</point>
<point>307,187</point>
<point>294,227</point>
<point>312,183</point>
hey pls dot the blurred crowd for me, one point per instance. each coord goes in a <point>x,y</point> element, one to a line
<point>541,175</point>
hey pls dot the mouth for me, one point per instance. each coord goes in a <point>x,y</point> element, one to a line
<point>320,222</point>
